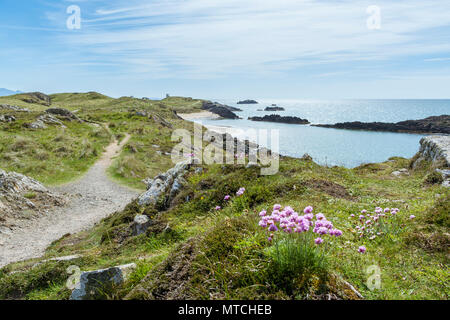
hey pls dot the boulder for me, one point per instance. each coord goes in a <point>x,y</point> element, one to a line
<point>140,224</point>
<point>13,108</point>
<point>93,284</point>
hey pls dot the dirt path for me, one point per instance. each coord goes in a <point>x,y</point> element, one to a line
<point>92,198</point>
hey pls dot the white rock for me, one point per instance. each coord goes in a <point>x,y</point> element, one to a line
<point>92,283</point>
<point>140,224</point>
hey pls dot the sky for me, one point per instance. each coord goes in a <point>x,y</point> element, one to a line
<point>292,49</point>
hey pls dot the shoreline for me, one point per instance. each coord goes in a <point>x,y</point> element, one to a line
<point>206,115</point>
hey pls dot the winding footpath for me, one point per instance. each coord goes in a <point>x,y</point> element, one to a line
<point>91,198</point>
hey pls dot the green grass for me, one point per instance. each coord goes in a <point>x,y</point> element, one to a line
<point>194,252</point>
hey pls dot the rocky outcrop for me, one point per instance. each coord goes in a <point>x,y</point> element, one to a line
<point>94,284</point>
<point>37,97</point>
<point>13,108</point>
<point>43,120</point>
<point>436,124</point>
<point>22,197</point>
<point>165,185</point>
<point>220,109</point>
<point>435,149</point>
<point>7,118</point>
<point>248,102</point>
<point>64,114</point>
<point>280,119</point>
<point>274,108</point>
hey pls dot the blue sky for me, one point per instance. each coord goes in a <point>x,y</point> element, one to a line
<point>319,49</point>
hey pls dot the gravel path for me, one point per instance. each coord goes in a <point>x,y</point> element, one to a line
<point>91,198</point>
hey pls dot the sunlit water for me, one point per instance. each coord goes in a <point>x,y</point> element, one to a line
<point>339,147</point>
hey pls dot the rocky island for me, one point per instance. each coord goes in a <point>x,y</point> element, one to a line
<point>248,102</point>
<point>280,119</point>
<point>435,124</point>
<point>274,108</point>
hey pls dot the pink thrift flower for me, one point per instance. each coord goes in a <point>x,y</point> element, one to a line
<point>318,240</point>
<point>227,197</point>
<point>362,249</point>
<point>273,228</point>
<point>308,209</point>
<point>320,216</point>
<point>263,213</point>
<point>412,216</point>
<point>364,211</point>
<point>218,208</point>
<point>352,215</point>
<point>277,207</point>
<point>240,192</point>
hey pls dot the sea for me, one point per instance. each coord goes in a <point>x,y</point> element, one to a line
<point>348,148</point>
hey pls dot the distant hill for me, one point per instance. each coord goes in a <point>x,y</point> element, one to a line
<point>6,92</point>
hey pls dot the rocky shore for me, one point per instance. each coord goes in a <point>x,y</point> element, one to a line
<point>280,119</point>
<point>435,124</point>
<point>222,110</point>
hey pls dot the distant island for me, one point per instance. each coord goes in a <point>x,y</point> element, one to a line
<point>274,108</point>
<point>280,119</point>
<point>435,124</point>
<point>248,102</point>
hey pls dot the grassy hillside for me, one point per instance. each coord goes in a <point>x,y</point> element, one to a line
<point>193,251</point>
<point>55,155</point>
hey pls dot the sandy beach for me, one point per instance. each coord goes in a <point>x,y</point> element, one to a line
<point>199,115</point>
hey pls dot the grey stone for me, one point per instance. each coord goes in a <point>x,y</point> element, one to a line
<point>163,183</point>
<point>140,224</point>
<point>92,284</point>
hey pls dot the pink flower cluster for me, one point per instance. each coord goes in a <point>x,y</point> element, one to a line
<point>368,224</point>
<point>289,221</point>
<point>240,192</point>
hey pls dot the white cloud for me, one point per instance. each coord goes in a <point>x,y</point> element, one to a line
<point>200,38</point>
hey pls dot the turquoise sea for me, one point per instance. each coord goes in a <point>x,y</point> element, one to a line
<point>339,147</point>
